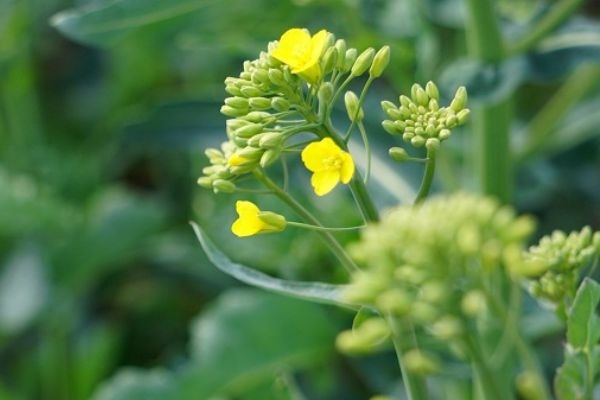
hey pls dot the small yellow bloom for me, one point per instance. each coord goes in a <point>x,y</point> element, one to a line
<point>252,220</point>
<point>302,52</point>
<point>236,160</point>
<point>329,164</point>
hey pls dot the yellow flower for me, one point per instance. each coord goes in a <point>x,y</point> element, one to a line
<point>236,160</point>
<point>329,165</point>
<point>302,52</point>
<point>252,220</point>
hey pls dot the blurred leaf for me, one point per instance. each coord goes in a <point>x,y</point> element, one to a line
<point>102,23</point>
<point>450,13</point>
<point>314,291</point>
<point>23,289</point>
<point>582,351</point>
<point>247,337</point>
<point>133,384</point>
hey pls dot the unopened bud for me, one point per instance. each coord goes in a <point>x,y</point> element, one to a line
<point>223,186</point>
<point>417,141</point>
<point>325,93</point>
<point>205,182</point>
<point>432,144</point>
<point>363,62</point>
<point>380,62</point>
<point>432,90</point>
<point>251,91</point>
<point>349,59</point>
<point>394,301</point>
<point>390,127</point>
<point>417,362</point>
<point>270,140</point>
<point>340,46</point>
<point>275,222</point>
<point>259,103</point>
<point>460,99</point>
<point>280,104</point>
<point>355,112</point>
<point>418,95</point>
<point>232,112</point>
<point>329,60</point>
<point>444,134</point>
<point>473,303</point>
<point>463,116</point>
<point>398,154</point>
<point>276,77</point>
<point>269,157</point>
<point>248,131</point>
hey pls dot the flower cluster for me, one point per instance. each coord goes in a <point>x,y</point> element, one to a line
<point>559,259</point>
<point>420,120</point>
<point>429,265</point>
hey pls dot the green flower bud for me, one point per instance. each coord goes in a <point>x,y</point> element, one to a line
<point>275,221</point>
<point>364,338</point>
<point>433,292</point>
<point>447,328</point>
<point>325,93</point>
<point>233,90</point>
<point>329,60</point>
<point>405,101</point>
<point>237,102</point>
<point>258,117</point>
<point>250,153</point>
<point>417,141</point>
<point>463,116</point>
<point>390,127</point>
<point>418,362</point>
<point>259,103</point>
<point>223,186</point>
<point>254,141</point>
<point>444,134</point>
<point>418,95</point>
<point>432,91</point>
<point>251,91</point>
<point>432,144</point>
<point>394,301</point>
<point>271,140</point>
<point>473,303</point>
<point>340,46</point>
<point>260,76</point>
<point>349,59</point>
<point>460,99</point>
<point>233,112</point>
<point>205,182</point>
<point>280,104</point>
<point>363,62</point>
<point>276,77</point>
<point>248,131</point>
<point>408,135</point>
<point>355,112</point>
<point>269,157</point>
<point>215,156</point>
<point>433,105</point>
<point>388,105</point>
<point>242,169</point>
<point>380,62</point>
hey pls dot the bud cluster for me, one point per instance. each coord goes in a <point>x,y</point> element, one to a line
<point>559,259</point>
<point>420,120</point>
<point>428,264</point>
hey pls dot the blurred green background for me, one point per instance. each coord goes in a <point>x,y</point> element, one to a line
<point>105,110</point>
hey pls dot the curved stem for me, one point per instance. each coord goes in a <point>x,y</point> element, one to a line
<point>335,247</point>
<point>557,14</point>
<point>414,384</point>
<point>323,228</point>
<point>427,177</point>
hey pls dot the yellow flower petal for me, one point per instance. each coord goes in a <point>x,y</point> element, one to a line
<point>236,160</point>
<point>314,154</point>
<point>347,170</point>
<point>301,52</point>
<point>323,182</point>
<point>248,223</point>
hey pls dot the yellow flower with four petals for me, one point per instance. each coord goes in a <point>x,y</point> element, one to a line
<point>329,165</point>
<point>302,52</point>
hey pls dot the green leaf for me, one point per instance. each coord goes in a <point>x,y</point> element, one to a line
<point>314,291</point>
<point>133,384</point>
<point>583,326</point>
<point>248,337</point>
<point>103,23</point>
<point>575,379</point>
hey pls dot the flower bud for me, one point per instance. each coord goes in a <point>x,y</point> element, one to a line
<point>325,93</point>
<point>269,157</point>
<point>340,46</point>
<point>233,90</point>
<point>251,91</point>
<point>390,127</point>
<point>205,182</point>
<point>398,154</point>
<point>259,103</point>
<point>258,117</point>
<point>275,222</point>
<point>276,77</point>
<point>529,386</point>
<point>248,131</point>
<point>223,186</point>
<point>405,101</point>
<point>380,62</point>
<point>394,301</point>
<point>447,328</point>
<point>270,140</point>
<point>418,95</point>
<point>349,59</point>
<point>463,116</point>
<point>432,91</point>
<point>418,362</point>
<point>460,99</point>
<point>444,134</point>
<point>432,144</point>
<point>355,112</point>
<point>363,62</point>
<point>329,60</point>
<point>280,104</point>
<point>232,112</point>
<point>417,141</point>
<point>260,76</point>
<point>473,303</point>
<point>214,155</point>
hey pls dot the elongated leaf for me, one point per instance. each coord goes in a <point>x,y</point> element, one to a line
<point>581,352</point>
<point>247,337</point>
<point>314,291</point>
<point>102,23</point>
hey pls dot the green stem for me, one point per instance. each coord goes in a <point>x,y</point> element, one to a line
<point>357,185</point>
<point>323,228</point>
<point>540,128</point>
<point>414,384</point>
<point>427,176</point>
<point>486,379</point>
<point>491,123</point>
<point>335,247</point>
<point>557,14</point>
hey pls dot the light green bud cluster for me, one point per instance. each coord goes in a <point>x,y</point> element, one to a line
<point>428,264</point>
<point>217,176</point>
<point>557,262</point>
<point>420,120</point>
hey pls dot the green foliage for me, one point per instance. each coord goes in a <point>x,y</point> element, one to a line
<point>577,377</point>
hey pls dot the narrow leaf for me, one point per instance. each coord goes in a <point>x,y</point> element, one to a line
<point>583,323</point>
<point>314,291</point>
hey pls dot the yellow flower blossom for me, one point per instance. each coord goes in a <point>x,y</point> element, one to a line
<point>252,220</point>
<point>329,165</point>
<point>302,52</point>
<point>236,160</point>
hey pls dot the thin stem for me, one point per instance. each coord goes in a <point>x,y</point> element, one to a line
<point>487,381</point>
<point>324,228</point>
<point>335,247</point>
<point>427,176</point>
<point>365,138</point>
<point>415,384</point>
<point>557,14</point>
<point>361,98</point>
<point>491,123</point>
